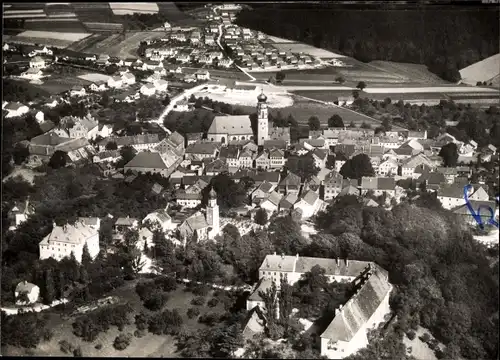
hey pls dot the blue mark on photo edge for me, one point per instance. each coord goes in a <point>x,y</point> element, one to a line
<point>477,216</point>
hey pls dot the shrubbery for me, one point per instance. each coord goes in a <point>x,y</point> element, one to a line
<point>156,301</point>
<point>167,322</point>
<point>198,301</point>
<point>213,302</point>
<point>166,283</point>
<point>90,325</point>
<point>193,312</point>
<point>200,289</point>
<point>122,341</point>
<point>411,334</point>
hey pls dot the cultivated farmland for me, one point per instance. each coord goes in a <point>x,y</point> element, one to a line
<point>94,77</point>
<point>93,12</point>
<point>131,8</point>
<point>102,27</point>
<point>72,37</point>
<point>87,43</point>
<point>484,70</point>
<point>307,49</point>
<point>38,40</point>
<point>66,25</point>
<point>408,72</point>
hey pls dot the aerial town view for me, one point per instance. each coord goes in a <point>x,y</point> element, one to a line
<point>313,180</point>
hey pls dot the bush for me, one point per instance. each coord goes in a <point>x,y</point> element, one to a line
<point>411,334</point>
<point>432,345</point>
<point>425,337</point>
<point>156,301</point>
<point>198,301</point>
<point>122,341</point>
<point>142,321</point>
<point>209,319</point>
<point>213,302</point>
<point>439,353</point>
<point>144,289</point>
<point>200,290</point>
<point>166,283</point>
<point>139,333</point>
<point>193,312</point>
<point>98,346</point>
<point>77,352</point>
<point>66,347</point>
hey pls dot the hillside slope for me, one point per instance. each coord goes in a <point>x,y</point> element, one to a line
<point>421,35</point>
<point>485,70</point>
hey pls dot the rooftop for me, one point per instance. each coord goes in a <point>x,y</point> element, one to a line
<point>231,125</point>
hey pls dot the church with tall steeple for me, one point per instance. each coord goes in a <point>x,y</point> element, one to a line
<point>262,119</point>
<point>202,226</point>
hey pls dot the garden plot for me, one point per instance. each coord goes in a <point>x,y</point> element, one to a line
<point>131,8</point>
<point>128,47</point>
<point>38,40</point>
<point>94,77</point>
<point>62,25</point>
<point>409,72</point>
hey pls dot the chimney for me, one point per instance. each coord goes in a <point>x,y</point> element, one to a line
<point>282,255</point>
<point>25,282</point>
<point>275,253</point>
<point>337,311</point>
<point>297,256</point>
<point>346,262</point>
<point>338,262</point>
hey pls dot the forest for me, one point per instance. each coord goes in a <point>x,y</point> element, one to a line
<point>445,39</point>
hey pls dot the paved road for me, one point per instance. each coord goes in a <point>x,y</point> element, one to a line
<point>173,102</point>
<point>35,308</point>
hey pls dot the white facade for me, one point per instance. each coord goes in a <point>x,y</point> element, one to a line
<point>262,116</point>
<point>21,110</point>
<point>213,217</point>
<point>148,90</point>
<point>388,167</point>
<point>32,291</point>
<point>189,203</point>
<point>64,240</point>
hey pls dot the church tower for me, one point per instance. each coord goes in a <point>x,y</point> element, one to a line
<point>213,214</point>
<point>262,119</point>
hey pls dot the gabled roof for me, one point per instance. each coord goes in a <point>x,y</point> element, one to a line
<point>229,152</point>
<point>310,197</point>
<point>464,210</point>
<point>148,160</point>
<point>216,165</point>
<point>13,106</point>
<point>274,198</point>
<point>452,191</point>
<point>201,148</point>
<point>288,201</point>
<point>125,221</point>
<point>25,286</point>
<point>291,180</point>
<point>349,190</point>
<point>278,144</point>
<point>359,309</point>
<point>231,125</point>
<point>276,153</point>
<point>196,222</point>
<point>77,233</point>
<point>386,183</point>
<point>265,186</point>
<point>320,153</point>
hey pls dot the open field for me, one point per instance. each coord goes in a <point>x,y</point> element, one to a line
<point>274,100</point>
<point>94,77</point>
<point>116,45</point>
<point>431,89</point>
<point>296,47</point>
<point>38,41</point>
<point>484,70</point>
<point>27,174</point>
<point>65,25</point>
<point>148,346</point>
<point>87,43</point>
<point>408,72</point>
<point>175,16</point>
<point>58,84</point>
<point>94,12</point>
<point>324,95</point>
<point>278,40</point>
<point>67,36</point>
<point>131,8</point>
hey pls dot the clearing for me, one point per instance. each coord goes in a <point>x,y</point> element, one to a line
<point>94,77</point>
<point>248,98</point>
<point>430,89</point>
<point>421,350</point>
<point>63,25</point>
<point>27,174</point>
<point>409,72</point>
<point>123,46</point>
<point>148,346</point>
<point>66,36</point>
<point>58,84</point>
<point>485,70</point>
<point>489,240</point>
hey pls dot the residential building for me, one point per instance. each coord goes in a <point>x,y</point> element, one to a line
<point>128,78</point>
<point>319,156</point>
<point>123,224</point>
<point>378,186</point>
<point>333,185</point>
<point>193,138</point>
<point>202,75</point>
<point>271,203</point>
<point>155,163</point>
<point>262,191</point>
<point>107,156</point>
<point>159,219</point>
<point>174,142</point>
<point>98,86</point>
<point>464,212</point>
<point>138,142</point>
<point>86,127</point>
<point>67,239</point>
<point>77,90</point>
<point>32,74</point>
<point>246,159</point>
<point>290,184</point>
<point>309,204</point>
<point>409,165</point>
<point>276,159</point>
<point>200,151</point>
<point>452,196</point>
<point>20,213</point>
<point>37,62</point>
<point>148,89</point>
<point>388,167</point>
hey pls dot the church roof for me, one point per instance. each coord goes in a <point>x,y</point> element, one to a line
<point>231,125</point>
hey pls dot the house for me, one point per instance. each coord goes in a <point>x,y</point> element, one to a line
<point>452,196</point>
<point>128,78</point>
<point>107,156</point>
<point>98,86</point>
<point>464,212</point>
<point>174,142</point>
<point>290,184</point>
<point>200,151</point>
<point>388,167</point>
<point>52,102</point>
<point>26,293</point>
<point>449,173</point>
<point>309,204</point>
<point>350,189</point>
<point>262,191</point>
<point>32,74</point>
<point>313,184</point>
<point>104,130</point>
<point>78,90</point>
<point>115,82</point>
<point>276,159</point>
<point>15,109</point>
<point>202,75</point>
<point>288,201</point>
<point>138,142</point>
<point>378,186</point>
<point>123,224</point>
<point>319,156</point>
<point>409,165</point>
<point>193,138</point>
<point>154,163</point>
<point>159,219</point>
<point>37,63</point>
<point>148,89</point>
<point>161,85</point>
<point>245,159</point>
<point>216,167</point>
<point>67,239</point>
<point>230,155</point>
<point>271,203</point>
<point>86,127</point>
<point>20,213</point>
<point>333,185</point>
<point>200,225</point>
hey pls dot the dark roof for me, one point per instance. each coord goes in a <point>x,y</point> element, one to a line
<point>346,149</point>
<point>279,144</point>
<point>291,180</point>
<point>230,152</point>
<point>201,148</point>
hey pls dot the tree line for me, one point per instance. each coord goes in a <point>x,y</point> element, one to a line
<point>384,34</point>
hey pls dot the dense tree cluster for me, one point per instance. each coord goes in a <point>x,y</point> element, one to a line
<point>24,330</point>
<point>384,34</point>
<point>443,277</point>
<point>303,166</point>
<point>357,167</point>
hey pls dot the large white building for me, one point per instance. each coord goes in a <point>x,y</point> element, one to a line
<point>67,239</point>
<point>347,333</point>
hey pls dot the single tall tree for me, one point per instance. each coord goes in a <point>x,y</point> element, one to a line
<point>449,153</point>
<point>49,291</point>
<point>86,258</point>
<point>58,159</point>
<point>314,123</point>
<point>357,167</point>
<point>335,121</point>
<point>361,85</point>
<point>261,217</point>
